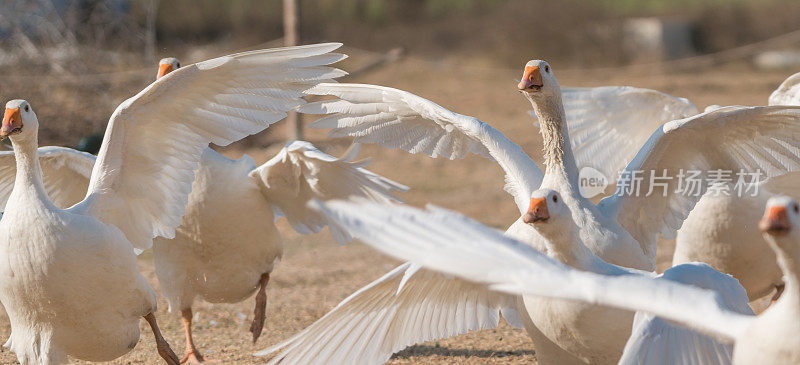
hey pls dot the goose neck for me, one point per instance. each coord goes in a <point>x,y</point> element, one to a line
<point>28,180</point>
<point>567,247</point>
<point>558,156</point>
<point>789,262</point>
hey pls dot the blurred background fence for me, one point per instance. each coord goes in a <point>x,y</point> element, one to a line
<point>75,60</point>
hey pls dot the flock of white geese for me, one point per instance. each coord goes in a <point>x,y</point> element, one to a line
<point>578,276</point>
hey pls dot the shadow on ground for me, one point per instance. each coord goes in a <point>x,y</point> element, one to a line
<point>419,351</point>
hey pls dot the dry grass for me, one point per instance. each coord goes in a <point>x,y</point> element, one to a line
<point>315,274</point>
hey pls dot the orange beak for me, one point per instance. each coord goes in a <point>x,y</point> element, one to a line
<point>537,211</point>
<point>775,221</point>
<point>12,123</point>
<point>163,70</point>
<point>531,79</point>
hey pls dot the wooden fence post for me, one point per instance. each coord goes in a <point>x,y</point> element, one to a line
<point>291,37</point>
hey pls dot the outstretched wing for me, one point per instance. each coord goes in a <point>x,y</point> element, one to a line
<point>408,305</point>
<point>657,341</point>
<point>717,145</point>
<point>450,243</point>
<point>65,174</point>
<point>607,125</point>
<point>788,93</point>
<point>300,173</point>
<point>154,140</point>
<point>398,119</point>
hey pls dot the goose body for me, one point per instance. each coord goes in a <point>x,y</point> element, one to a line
<point>221,255</point>
<point>722,232</point>
<point>585,333</point>
<point>218,252</point>
<point>70,281</point>
<point>48,251</point>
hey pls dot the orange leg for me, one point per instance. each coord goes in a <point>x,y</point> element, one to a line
<point>163,347</point>
<point>192,355</point>
<point>260,312</point>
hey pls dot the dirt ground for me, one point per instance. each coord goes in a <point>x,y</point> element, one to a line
<point>315,273</point>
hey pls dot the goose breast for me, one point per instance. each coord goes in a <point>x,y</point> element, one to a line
<point>54,287</point>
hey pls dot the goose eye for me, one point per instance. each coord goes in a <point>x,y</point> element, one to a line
<point>546,68</point>
<point>27,108</point>
<point>177,65</point>
<point>555,198</point>
<point>795,208</point>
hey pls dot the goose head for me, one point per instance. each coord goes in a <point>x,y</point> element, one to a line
<point>167,65</point>
<point>779,228</point>
<point>19,121</point>
<point>549,216</point>
<point>547,211</point>
<point>538,81</point>
<point>780,216</point>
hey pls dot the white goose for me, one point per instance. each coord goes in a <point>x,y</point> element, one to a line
<point>608,124</point>
<point>70,282</point>
<point>223,256</point>
<point>622,230</point>
<point>458,246</point>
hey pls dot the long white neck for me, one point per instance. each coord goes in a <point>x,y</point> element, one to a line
<point>565,245</point>
<point>559,161</point>
<point>28,182</point>
<point>789,262</point>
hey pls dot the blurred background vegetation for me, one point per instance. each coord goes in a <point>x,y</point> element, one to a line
<point>85,56</point>
<point>500,32</point>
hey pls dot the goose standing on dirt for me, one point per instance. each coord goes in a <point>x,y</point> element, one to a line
<point>222,255</point>
<point>622,229</point>
<point>459,246</point>
<point>70,282</point>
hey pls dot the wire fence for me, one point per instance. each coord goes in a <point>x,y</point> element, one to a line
<point>693,62</point>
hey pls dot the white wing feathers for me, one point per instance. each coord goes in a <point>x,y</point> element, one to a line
<point>656,341</point>
<point>607,125</point>
<point>788,93</point>
<point>450,243</point>
<point>300,173</point>
<point>735,139</point>
<point>402,308</point>
<point>398,119</point>
<point>154,140</point>
<point>65,174</point>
